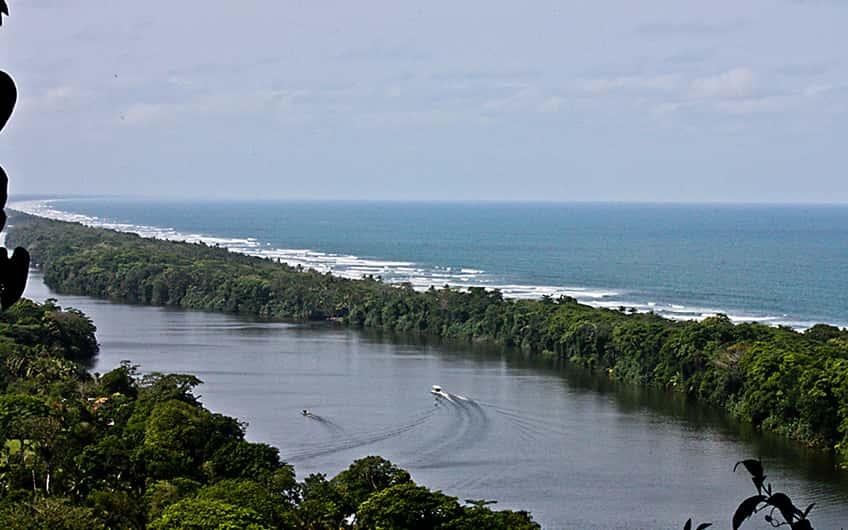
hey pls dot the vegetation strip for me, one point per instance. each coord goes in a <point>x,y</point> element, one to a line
<point>793,383</point>
<point>85,452</point>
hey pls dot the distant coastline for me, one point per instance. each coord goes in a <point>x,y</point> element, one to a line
<point>422,276</point>
<point>775,378</point>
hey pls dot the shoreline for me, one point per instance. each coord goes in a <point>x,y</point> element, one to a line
<point>421,277</point>
<point>749,369</point>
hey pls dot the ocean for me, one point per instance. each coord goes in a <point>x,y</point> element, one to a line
<point>778,264</point>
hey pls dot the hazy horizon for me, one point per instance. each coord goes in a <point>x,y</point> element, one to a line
<point>201,198</point>
<point>659,102</point>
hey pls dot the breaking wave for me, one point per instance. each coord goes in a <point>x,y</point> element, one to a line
<point>420,277</point>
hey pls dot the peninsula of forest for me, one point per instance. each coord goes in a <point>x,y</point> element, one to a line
<point>778,379</point>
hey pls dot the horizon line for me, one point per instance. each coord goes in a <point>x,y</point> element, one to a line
<point>175,198</point>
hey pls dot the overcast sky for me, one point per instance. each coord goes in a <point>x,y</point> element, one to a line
<point>644,101</point>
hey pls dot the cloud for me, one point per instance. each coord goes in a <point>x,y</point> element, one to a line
<point>689,57</point>
<point>817,89</point>
<point>144,113</point>
<point>670,107</point>
<point>731,94</point>
<point>805,69</point>
<point>690,27</point>
<point>735,83</point>
<point>525,98</point>
<point>60,97</point>
<point>657,83</point>
<point>484,76</point>
<point>756,104</point>
<point>552,104</point>
<point>734,91</point>
<point>382,53</point>
<point>218,105</point>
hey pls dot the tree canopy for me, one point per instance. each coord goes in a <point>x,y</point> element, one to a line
<point>794,383</point>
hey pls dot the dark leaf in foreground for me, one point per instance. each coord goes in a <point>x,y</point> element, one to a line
<point>4,186</point>
<point>8,97</point>
<point>14,277</point>
<point>782,502</point>
<point>746,510</point>
<point>754,467</point>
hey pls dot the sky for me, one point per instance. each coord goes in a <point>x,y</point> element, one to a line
<point>475,100</point>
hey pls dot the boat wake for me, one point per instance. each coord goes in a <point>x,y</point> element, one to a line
<point>466,424</point>
<point>343,441</point>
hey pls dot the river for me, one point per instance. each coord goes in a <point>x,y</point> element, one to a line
<point>574,448</point>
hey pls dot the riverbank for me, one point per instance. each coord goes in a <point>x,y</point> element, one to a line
<point>125,449</point>
<point>549,437</point>
<point>775,378</point>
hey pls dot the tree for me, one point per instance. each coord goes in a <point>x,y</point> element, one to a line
<point>52,513</point>
<point>364,477</point>
<point>408,506</point>
<point>207,514</point>
<point>252,495</point>
<point>321,506</point>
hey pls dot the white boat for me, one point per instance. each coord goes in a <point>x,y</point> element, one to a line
<point>436,390</point>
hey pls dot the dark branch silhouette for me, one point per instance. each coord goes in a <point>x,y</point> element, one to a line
<point>781,510</point>
<point>13,271</point>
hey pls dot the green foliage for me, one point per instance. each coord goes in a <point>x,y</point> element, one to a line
<point>129,451</point>
<point>53,513</point>
<point>365,477</point>
<point>125,450</point>
<point>775,378</point>
<point>163,493</point>
<point>408,506</point>
<point>208,514</point>
<point>321,506</point>
<point>252,495</point>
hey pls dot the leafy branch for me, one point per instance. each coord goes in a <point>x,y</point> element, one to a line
<point>779,507</point>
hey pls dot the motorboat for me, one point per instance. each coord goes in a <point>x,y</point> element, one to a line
<point>305,412</point>
<point>437,391</point>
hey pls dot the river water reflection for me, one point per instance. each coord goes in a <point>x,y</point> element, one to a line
<point>576,449</point>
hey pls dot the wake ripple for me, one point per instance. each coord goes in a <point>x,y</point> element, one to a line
<point>345,441</point>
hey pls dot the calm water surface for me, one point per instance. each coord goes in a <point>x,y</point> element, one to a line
<point>576,450</point>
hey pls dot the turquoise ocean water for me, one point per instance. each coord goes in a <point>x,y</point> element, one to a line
<point>780,264</point>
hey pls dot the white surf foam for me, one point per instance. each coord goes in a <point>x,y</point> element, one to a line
<point>395,271</point>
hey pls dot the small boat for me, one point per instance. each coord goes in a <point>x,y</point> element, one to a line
<point>437,391</point>
<point>306,412</point>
